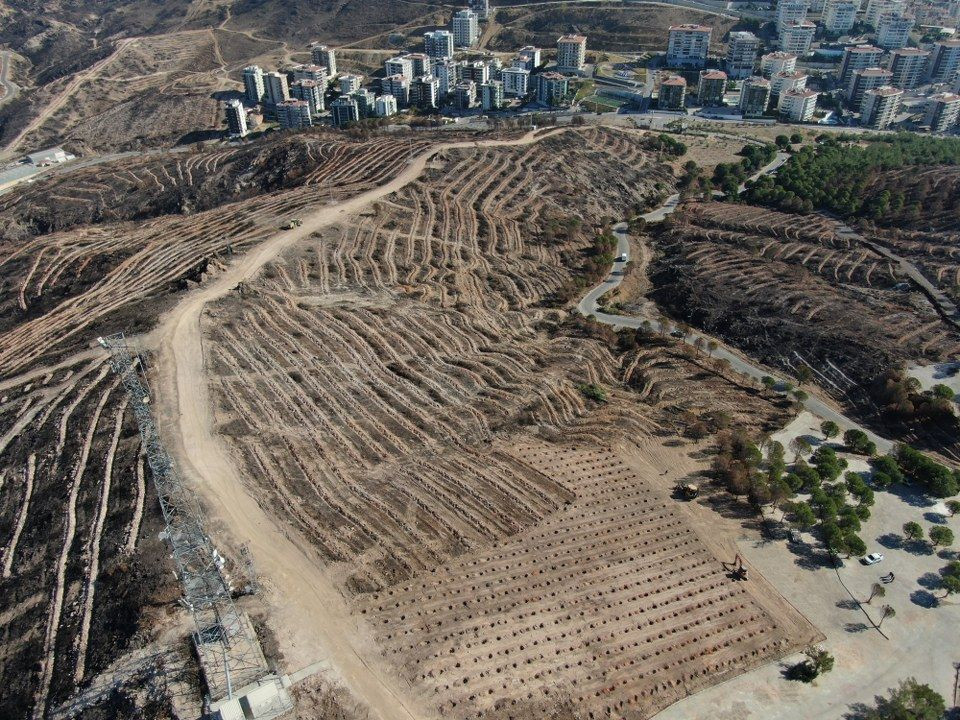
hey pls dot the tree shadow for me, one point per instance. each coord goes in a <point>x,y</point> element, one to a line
<point>924,599</point>
<point>848,604</point>
<point>855,627</point>
<point>808,557</point>
<point>918,547</point>
<point>891,541</point>
<point>911,496</point>
<point>935,517</point>
<point>930,581</point>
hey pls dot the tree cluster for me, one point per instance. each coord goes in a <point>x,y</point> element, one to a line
<point>918,469</point>
<point>729,176</point>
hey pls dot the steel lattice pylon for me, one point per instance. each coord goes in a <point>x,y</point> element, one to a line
<point>230,654</point>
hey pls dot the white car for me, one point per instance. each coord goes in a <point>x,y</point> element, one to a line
<point>873,558</point>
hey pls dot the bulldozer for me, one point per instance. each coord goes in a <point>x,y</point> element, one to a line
<point>291,224</point>
<point>687,491</point>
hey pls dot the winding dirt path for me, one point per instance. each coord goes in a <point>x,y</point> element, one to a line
<point>309,615</point>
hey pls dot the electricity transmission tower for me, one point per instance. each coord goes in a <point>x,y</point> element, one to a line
<point>230,654</point>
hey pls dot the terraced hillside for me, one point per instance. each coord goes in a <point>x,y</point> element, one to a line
<point>402,393</point>
<point>86,589</point>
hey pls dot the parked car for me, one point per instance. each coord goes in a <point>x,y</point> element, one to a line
<point>872,559</point>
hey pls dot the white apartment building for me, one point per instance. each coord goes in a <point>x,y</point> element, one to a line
<point>398,86</point>
<point>528,58</point>
<point>516,81</point>
<point>293,114</point>
<point>876,8</point>
<point>466,28</point>
<point>798,105</point>
<point>943,112</point>
<point>688,45</point>
<point>401,65</point>
<point>236,118</point>
<point>438,44</point>
<point>478,71</point>
<point>481,8</point>
<point>782,82</point>
<point>857,57</point>
<point>448,73</point>
<point>465,95</point>
<point>350,84</point>
<point>491,95</point>
<point>385,106</point>
<point>253,86</point>
<point>790,11</point>
<point>772,63</point>
<point>425,92</point>
<point>571,53</point>
<point>908,66</point>
<point>310,72</point>
<point>326,58</point>
<point>741,55</point>
<point>893,31</point>
<point>797,37</point>
<point>840,16</point>
<point>421,64</point>
<point>945,61</point>
<point>275,88</point>
<point>864,80</point>
<point>311,92</point>
<point>880,106</point>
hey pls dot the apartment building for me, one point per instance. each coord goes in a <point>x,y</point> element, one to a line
<point>943,112</point>
<point>857,57</point>
<point>253,87</point>
<point>893,31</point>
<point>293,114</point>
<point>908,66</point>
<point>864,80</point>
<point>711,86</point>
<point>688,45</point>
<point>310,91</point>
<point>465,95</point>
<point>326,58</point>
<point>350,84</point>
<point>552,88</point>
<point>840,16</point>
<point>945,61</point>
<point>276,89</point>
<point>782,82</point>
<point>344,110</point>
<point>466,28</point>
<point>741,55</point>
<point>798,105</point>
<point>491,95</point>
<point>438,44</point>
<point>236,118</point>
<point>880,107</point>
<point>425,92</point>
<point>385,106</point>
<point>797,37</point>
<point>398,86</point>
<point>400,65</point>
<point>571,53</point>
<point>673,93</point>
<point>788,12</point>
<point>755,96</point>
<point>516,81</point>
<point>772,63</point>
<point>316,73</point>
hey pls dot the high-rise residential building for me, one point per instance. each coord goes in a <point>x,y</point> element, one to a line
<point>365,102</point>
<point>516,81</point>
<point>448,73</point>
<point>421,64</point>
<point>293,114</point>
<point>943,112</point>
<point>253,87</point>
<point>481,8</point>
<point>755,96</point>
<point>798,105</point>
<point>789,11</point>
<point>344,111</point>
<point>688,45</point>
<point>741,54</point>
<point>236,118</point>
<point>425,92</point>
<point>711,86</point>
<point>312,92</point>
<point>528,58</point>
<point>275,88</point>
<point>552,88</point>
<point>797,37</point>
<point>401,65</point>
<point>772,63</point>
<point>893,31</point>
<point>571,53</point>
<point>478,71</point>
<point>466,28</point>
<point>385,106</point>
<point>326,58</point>
<point>781,82</point>
<point>496,68</point>
<point>908,66</point>
<point>398,86</point>
<point>817,7</point>
<point>866,79</point>
<point>491,95</point>
<point>350,83</point>
<point>673,93</point>
<point>840,15</point>
<point>438,44</point>
<point>880,106</point>
<point>857,57</point>
<point>313,72</point>
<point>465,95</point>
<point>944,61</point>
<point>876,8</point>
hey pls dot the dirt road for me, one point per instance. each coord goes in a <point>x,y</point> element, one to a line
<point>311,618</point>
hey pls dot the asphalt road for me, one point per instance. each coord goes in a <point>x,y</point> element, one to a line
<point>589,306</point>
<point>11,89</point>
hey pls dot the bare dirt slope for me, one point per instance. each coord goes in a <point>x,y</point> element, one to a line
<point>408,415</point>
